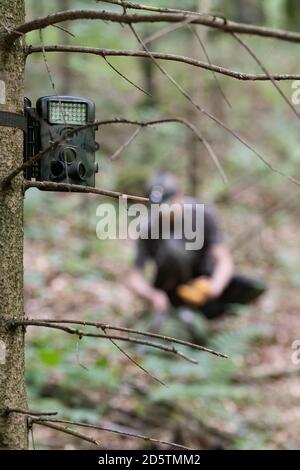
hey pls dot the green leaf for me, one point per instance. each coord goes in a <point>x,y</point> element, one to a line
<point>50,357</point>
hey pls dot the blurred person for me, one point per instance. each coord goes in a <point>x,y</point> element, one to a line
<point>202,278</point>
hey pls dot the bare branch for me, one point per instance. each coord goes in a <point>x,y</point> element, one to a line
<point>131,359</point>
<point>128,339</point>
<point>264,69</point>
<point>64,30</point>
<point>222,24</point>
<point>124,77</point>
<point>215,159</point>
<point>75,188</point>
<point>7,179</point>
<point>168,29</point>
<point>136,6</point>
<point>65,430</point>
<point>115,431</point>
<point>46,63</point>
<point>161,56</point>
<point>31,434</point>
<point>136,332</point>
<point>126,144</point>
<point>29,412</point>
<point>197,36</point>
<point>78,355</point>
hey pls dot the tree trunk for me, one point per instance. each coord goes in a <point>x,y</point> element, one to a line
<point>13,428</point>
<point>149,72</point>
<point>195,149</point>
<point>291,10</point>
<point>249,11</point>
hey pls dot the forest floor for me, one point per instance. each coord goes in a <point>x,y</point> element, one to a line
<point>249,401</point>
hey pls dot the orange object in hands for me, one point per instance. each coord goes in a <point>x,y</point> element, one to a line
<point>196,293</point>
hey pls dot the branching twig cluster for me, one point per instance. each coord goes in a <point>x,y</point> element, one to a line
<point>208,114</point>
<point>123,329</point>
<point>50,323</point>
<point>161,56</point>
<point>80,334</point>
<point>264,69</point>
<point>7,179</point>
<point>64,429</point>
<point>131,359</point>
<point>52,423</point>
<point>41,417</point>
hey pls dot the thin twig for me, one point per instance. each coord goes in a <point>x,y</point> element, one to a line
<point>133,331</point>
<point>264,69</point>
<point>136,6</point>
<point>160,56</point>
<point>131,359</point>
<point>32,436</point>
<point>115,431</point>
<point>126,144</point>
<point>197,36</point>
<point>220,23</point>
<point>215,159</point>
<point>65,30</point>
<point>79,333</point>
<point>65,430</point>
<point>209,114</point>
<point>124,77</point>
<point>46,64</point>
<point>75,188</point>
<point>78,355</point>
<point>167,30</point>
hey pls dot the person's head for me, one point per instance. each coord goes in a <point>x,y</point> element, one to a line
<point>164,190</point>
<point>163,187</point>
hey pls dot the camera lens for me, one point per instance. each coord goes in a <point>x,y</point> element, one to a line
<point>57,170</point>
<point>67,155</point>
<point>77,170</point>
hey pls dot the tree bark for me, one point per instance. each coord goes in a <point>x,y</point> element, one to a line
<point>13,428</point>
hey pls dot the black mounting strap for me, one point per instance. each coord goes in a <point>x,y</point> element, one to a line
<point>8,119</point>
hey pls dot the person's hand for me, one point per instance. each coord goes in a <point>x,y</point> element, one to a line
<point>198,291</point>
<point>206,284</point>
<point>160,301</point>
